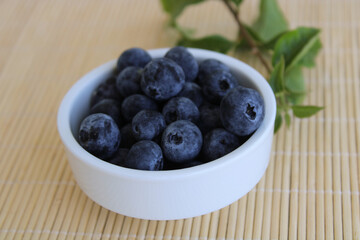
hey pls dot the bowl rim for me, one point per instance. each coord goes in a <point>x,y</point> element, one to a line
<point>64,128</point>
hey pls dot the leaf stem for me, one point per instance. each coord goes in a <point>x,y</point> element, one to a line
<point>248,37</point>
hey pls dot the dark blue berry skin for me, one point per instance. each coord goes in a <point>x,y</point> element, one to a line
<point>186,61</point>
<point>145,155</point>
<point>208,66</point>
<point>209,117</point>
<point>193,92</point>
<point>147,124</point>
<point>128,81</point>
<point>162,79</point>
<point>134,104</point>
<point>119,157</point>
<point>217,85</point>
<point>219,142</point>
<point>133,57</point>
<point>181,142</point>
<point>110,107</point>
<point>242,111</point>
<point>180,108</point>
<point>106,90</point>
<point>99,135</point>
<point>127,137</point>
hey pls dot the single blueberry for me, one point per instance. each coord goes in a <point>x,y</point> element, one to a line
<point>209,117</point>
<point>127,137</point>
<point>162,79</point>
<point>181,141</point>
<point>217,85</point>
<point>128,81</point>
<point>145,155</point>
<point>219,142</point>
<point>119,157</point>
<point>106,90</point>
<point>180,108</point>
<point>242,111</point>
<point>147,124</point>
<point>133,57</point>
<point>208,66</point>
<point>186,61</point>
<point>99,135</point>
<point>193,92</point>
<point>110,107</point>
<point>134,104</point>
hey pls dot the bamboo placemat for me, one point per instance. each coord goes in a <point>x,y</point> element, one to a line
<point>310,189</point>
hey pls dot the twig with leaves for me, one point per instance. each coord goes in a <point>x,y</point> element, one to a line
<point>290,50</point>
<point>247,37</point>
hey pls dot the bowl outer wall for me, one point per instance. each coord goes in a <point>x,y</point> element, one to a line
<point>167,195</point>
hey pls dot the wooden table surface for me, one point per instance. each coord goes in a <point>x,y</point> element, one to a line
<point>310,189</point>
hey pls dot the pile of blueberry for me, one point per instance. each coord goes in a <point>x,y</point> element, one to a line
<point>169,113</point>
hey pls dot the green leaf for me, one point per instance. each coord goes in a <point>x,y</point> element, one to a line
<point>175,7</point>
<point>237,2</point>
<point>309,59</point>
<point>278,122</point>
<point>271,43</point>
<point>295,85</point>
<point>276,81</point>
<point>287,119</point>
<point>298,47</point>
<point>305,111</point>
<point>296,98</point>
<point>270,21</point>
<point>213,42</point>
<point>294,80</point>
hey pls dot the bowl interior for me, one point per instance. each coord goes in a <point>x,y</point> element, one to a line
<point>75,105</point>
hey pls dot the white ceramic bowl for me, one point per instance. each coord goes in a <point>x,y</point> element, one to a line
<point>175,194</point>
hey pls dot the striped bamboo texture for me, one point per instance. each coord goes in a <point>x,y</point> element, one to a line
<point>310,189</point>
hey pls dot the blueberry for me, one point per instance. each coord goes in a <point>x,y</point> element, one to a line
<point>242,111</point>
<point>219,142</point>
<point>186,61</point>
<point>193,92</point>
<point>208,66</point>
<point>119,157</point>
<point>181,141</point>
<point>127,137</point>
<point>145,155</point>
<point>110,107</point>
<point>217,85</point>
<point>147,124</point>
<point>162,79</point>
<point>180,108</point>
<point>128,81</point>
<point>106,90</point>
<point>133,57</point>
<point>99,135</point>
<point>134,104</point>
<point>209,117</point>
